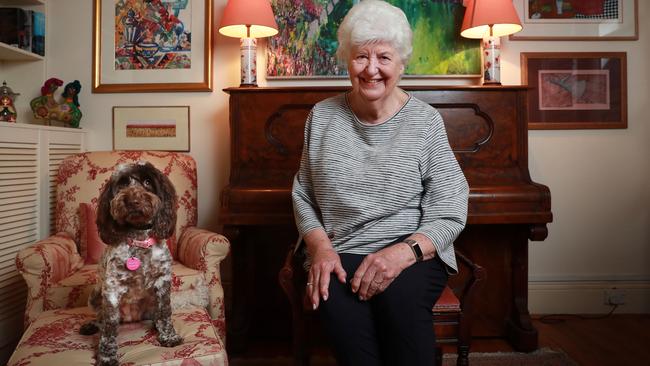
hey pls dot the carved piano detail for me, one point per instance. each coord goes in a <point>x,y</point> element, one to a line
<point>487,130</point>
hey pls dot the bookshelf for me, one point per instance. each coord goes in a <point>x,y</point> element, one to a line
<point>24,71</point>
<point>10,53</point>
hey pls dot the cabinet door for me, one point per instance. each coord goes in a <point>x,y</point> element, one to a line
<point>19,225</point>
<point>30,156</point>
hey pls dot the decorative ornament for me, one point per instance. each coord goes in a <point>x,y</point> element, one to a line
<point>67,111</point>
<point>7,109</point>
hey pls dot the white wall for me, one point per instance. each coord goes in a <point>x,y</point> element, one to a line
<point>599,179</point>
<point>600,192</point>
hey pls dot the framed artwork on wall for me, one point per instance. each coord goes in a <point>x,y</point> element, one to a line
<point>575,90</point>
<point>577,20</point>
<point>151,128</point>
<point>306,44</point>
<point>152,46</point>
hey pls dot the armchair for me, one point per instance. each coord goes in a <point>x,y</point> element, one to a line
<point>60,271</point>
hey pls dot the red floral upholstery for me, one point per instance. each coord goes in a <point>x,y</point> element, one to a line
<point>54,339</point>
<point>54,268</point>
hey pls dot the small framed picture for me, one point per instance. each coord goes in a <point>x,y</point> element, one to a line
<point>575,90</point>
<point>151,128</point>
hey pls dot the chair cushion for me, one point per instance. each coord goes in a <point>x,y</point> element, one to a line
<point>91,245</point>
<point>448,302</point>
<point>73,291</point>
<point>54,339</point>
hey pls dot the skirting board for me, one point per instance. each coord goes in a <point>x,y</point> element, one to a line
<point>587,297</point>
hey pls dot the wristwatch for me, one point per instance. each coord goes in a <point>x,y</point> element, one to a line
<point>415,247</point>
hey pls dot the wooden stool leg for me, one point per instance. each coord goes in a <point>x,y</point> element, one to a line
<point>463,356</point>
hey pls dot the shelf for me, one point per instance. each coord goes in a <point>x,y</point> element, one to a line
<point>21,2</point>
<point>11,53</point>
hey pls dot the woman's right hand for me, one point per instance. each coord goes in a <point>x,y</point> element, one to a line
<point>324,261</point>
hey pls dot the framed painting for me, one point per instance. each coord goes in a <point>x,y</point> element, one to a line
<point>575,90</point>
<point>151,128</point>
<point>577,20</point>
<point>152,46</point>
<point>305,46</point>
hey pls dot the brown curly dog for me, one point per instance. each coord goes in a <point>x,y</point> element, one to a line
<point>135,216</point>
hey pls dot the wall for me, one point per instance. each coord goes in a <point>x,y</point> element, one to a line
<point>599,179</point>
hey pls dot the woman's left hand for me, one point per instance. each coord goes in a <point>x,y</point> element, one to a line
<point>378,270</point>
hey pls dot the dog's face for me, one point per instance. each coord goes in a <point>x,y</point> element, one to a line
<point>137,197</point>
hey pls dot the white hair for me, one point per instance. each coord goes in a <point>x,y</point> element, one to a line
<point>372,21</point>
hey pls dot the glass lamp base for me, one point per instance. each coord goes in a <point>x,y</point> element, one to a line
<point>491,60</point>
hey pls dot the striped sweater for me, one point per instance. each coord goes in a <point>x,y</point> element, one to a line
<point>369,185</point>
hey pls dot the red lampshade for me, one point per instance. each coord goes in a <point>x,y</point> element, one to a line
<point>239,15</point>
<point>481,14</point>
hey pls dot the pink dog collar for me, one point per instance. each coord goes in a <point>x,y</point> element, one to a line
<point>132,263</point>
<point>146,244</point>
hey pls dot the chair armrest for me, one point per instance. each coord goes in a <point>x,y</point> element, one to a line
<point>43,264</point>
<point>204,250</point>
<point>473,283</point>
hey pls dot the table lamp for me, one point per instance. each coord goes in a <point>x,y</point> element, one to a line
<point>489,20</point>
<point>248,20</point>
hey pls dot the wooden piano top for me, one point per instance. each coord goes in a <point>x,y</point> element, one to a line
<point>487,130</point>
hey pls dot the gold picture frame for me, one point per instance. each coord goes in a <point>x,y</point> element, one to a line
<point>164,128</point>
<point>132,53</point>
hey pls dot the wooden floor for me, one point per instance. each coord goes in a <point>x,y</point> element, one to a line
<point>618,340</point>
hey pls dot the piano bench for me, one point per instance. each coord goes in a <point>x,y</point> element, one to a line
<point>451,313</point>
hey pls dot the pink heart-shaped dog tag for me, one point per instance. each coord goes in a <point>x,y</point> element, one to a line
<point>132,263</point>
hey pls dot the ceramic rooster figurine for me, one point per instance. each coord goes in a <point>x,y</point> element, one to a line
<point>67,111</point>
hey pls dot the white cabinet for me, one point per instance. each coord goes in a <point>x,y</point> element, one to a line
<point>29,159</point>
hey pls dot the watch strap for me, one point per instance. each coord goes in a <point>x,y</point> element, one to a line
<point>415,247</point>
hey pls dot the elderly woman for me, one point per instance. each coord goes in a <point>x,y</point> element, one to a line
<point>378,200</point>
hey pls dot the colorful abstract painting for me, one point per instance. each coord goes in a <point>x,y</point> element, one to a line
<point>573,89</point>
<point>306,43</point>
<point>153,34</point>
<point>573,10</point>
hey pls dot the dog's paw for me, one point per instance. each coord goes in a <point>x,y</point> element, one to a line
<point>89,328</point>
<point>170,340</point>
<point>108,362</point>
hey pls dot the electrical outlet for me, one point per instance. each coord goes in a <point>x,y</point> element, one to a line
<point>614,296</point>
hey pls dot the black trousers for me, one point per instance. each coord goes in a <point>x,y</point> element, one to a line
<point>394,327</point>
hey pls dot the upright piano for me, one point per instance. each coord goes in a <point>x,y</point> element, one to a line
<point>487,129</point>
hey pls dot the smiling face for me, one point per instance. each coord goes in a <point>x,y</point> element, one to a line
<point>374,69</point>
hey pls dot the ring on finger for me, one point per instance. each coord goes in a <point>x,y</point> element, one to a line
<point>309,284</point>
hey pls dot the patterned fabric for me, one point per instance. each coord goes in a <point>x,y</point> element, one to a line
<point>54,339</point>
<point>91,245</point>
<point>54,269</point>
<point>203,250</point>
